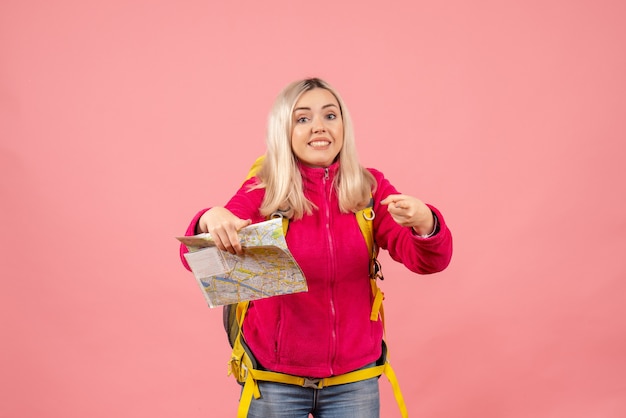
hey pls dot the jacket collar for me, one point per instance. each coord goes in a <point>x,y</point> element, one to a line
<point>317,173</point>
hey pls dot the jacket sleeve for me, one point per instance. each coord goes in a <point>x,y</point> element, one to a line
<point>191,230</point>
<point>244,204</point>
<point>420,255</point>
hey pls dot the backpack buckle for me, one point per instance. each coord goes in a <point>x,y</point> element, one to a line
<point>312,383</point>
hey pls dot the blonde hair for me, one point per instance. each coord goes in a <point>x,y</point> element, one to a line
<point>279,174</point>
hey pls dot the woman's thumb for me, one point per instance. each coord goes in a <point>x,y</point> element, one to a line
<point>243,223</point>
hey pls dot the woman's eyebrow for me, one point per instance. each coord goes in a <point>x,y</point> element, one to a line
<point>323,107</point>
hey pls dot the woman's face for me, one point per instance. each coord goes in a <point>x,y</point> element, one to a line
<point>317,133</point>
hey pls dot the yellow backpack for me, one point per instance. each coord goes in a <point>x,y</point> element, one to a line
<point>243,365</point>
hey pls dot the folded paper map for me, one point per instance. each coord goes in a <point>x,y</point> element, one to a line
<point>266,268</point>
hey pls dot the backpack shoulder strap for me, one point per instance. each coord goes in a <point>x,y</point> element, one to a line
<point>256,166</point>
<point>365,219</point>
<point>254,169</point>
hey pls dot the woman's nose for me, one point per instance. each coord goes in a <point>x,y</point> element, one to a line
<point>318,125</point>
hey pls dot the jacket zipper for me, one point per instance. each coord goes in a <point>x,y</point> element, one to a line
<point>331,250</point>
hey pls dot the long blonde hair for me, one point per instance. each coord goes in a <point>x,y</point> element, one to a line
<point>279,174</point>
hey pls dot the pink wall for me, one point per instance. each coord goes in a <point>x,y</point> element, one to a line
<point>119,119</point>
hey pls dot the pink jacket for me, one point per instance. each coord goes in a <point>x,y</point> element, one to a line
<point>327,331</point>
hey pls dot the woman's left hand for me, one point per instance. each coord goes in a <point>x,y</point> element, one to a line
<point>410,211</point>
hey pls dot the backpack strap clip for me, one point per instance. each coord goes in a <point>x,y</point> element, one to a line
<point>368,211</point>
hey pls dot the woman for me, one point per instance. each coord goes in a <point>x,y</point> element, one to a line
<point>311,174</point>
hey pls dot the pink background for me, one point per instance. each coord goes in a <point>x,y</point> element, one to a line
<point>120,119</point>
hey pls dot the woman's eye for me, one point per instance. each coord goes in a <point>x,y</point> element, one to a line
<point>331,116</point>
<point>302,119</point>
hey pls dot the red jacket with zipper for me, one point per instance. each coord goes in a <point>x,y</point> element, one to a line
<point>327,330</point>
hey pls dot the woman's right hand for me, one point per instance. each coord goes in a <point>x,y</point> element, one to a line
<point>223,226</point>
